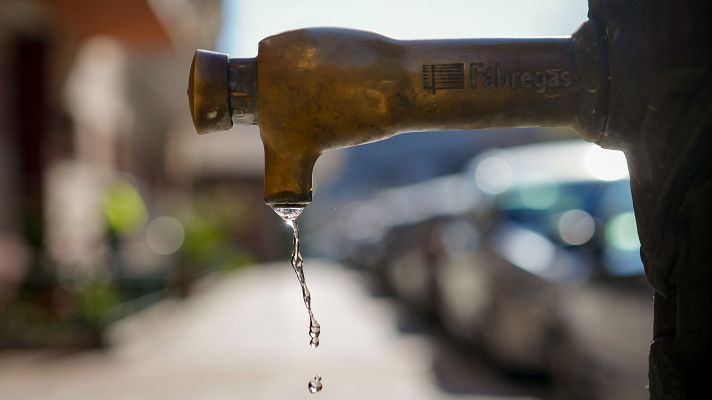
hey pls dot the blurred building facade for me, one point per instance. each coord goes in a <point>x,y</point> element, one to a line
<point>97,187</point>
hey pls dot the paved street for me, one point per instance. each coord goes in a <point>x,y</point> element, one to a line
<point>244,336</point>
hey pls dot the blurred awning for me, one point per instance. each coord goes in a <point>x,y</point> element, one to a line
<point>133,22</point>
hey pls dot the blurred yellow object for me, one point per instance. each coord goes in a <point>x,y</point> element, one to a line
<point>124,208</point>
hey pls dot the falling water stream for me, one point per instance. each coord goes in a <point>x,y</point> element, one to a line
<point>290,215</point>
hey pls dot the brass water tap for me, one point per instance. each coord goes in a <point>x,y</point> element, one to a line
<point>312,90</point>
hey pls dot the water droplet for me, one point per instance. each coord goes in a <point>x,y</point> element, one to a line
<point>315,384</point>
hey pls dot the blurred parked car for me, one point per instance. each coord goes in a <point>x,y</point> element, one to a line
<point>394,236</point>
<point>540,270</point>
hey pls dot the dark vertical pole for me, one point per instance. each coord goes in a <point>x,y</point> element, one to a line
<point>31,119</point>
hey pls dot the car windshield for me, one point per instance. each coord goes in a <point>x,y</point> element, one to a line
<point>596,215</point>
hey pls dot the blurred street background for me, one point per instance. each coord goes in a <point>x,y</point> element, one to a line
<point>243,336</point>
<point>138,260</point>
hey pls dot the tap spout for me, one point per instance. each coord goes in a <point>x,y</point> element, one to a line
<point>314,90</point>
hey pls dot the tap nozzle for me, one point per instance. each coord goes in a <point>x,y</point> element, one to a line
<point>222,91</point>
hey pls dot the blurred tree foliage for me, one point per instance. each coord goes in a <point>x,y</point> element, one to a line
<point>211,225</point>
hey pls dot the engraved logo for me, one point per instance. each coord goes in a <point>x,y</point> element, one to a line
<point>443,76</point>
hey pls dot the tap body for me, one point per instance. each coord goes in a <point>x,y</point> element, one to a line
<point>313,90</point>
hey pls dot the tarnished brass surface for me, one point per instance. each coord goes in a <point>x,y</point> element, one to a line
<point>320,89</point>
<point>208,92</point>
<point>242,82</point>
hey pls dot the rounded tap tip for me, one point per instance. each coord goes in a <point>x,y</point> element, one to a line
<point>208,93</point>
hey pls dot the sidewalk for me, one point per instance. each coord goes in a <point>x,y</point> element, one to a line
<point>244,336</point>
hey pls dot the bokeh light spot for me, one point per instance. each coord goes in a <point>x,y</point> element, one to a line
<point>608,165</point>
<point>622,233</point>
<point>493,175</point>
<point>165,235</point>
<point>576,227</point>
